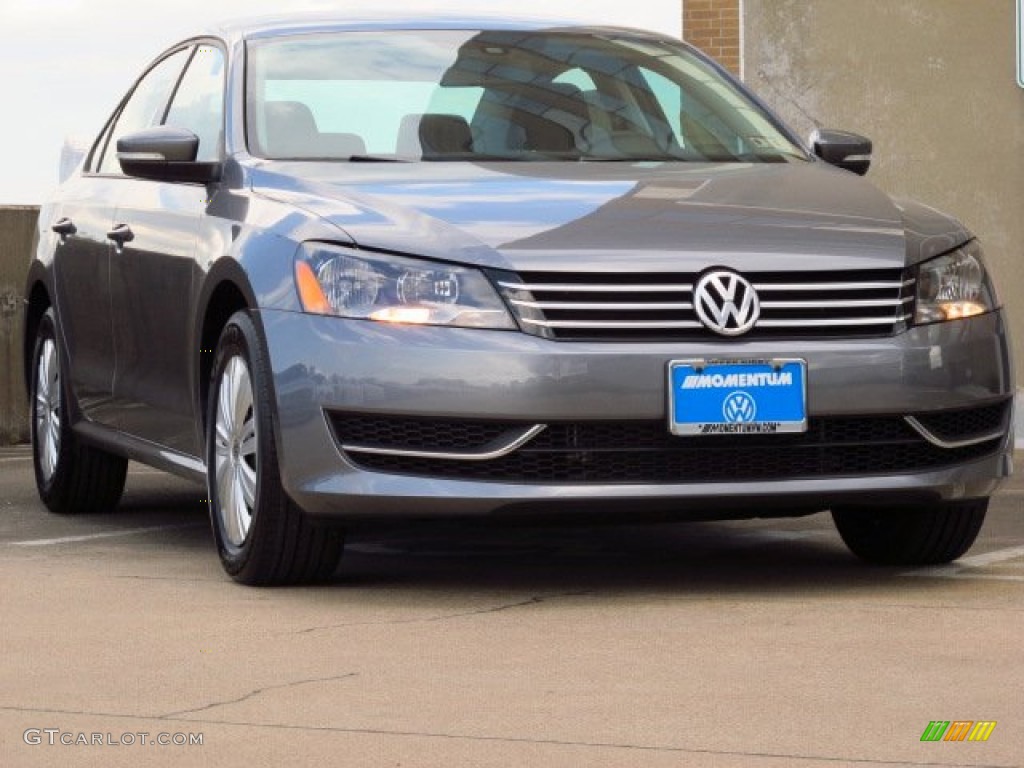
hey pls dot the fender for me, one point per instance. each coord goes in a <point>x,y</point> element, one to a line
<point>224,271</point>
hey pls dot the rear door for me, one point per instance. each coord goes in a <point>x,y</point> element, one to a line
<point>81,267</point>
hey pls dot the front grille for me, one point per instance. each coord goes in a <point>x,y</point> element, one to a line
<point>645,452</point>
<point>624,307</point>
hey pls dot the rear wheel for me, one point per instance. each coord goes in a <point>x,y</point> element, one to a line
<point>71,476</point>
<point>911,535</point>
<point>262,536</point>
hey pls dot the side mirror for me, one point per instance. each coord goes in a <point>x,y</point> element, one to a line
<point>165,153</point>
<point>848,151</point>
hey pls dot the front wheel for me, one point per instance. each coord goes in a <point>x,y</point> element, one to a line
<point>262,536</point>
<point>911,535</point>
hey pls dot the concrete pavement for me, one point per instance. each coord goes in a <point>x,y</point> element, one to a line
<point>730,644</point>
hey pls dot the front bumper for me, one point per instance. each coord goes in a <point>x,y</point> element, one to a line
<point>325,365</point>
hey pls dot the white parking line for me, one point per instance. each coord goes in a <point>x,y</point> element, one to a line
<point>769,535</point>
<point>103,535</point>
<point>977,561</point>
<point>977,576</point>
<point>966,567</point>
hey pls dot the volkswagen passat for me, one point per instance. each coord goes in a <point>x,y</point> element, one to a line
<point>344,270</point>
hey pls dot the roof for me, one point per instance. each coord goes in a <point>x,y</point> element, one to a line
<point>302,23</point>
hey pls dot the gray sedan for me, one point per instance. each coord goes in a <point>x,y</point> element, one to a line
<point>345,270</point>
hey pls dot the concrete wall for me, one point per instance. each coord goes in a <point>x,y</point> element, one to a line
<point>17,226</point>
<point>932,82</point>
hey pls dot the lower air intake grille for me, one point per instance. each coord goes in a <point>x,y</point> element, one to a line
<point>418,434</point>
<point>644,452</point>
<point>966,423</point>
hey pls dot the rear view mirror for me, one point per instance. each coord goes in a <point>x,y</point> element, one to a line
<point>165,153</point>
<point>848,151</point>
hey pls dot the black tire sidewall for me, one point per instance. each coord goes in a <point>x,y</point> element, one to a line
<point>912,535</point>
<point>240,338</point>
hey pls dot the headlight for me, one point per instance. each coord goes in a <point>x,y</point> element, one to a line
<point>954,286</point>
<point>333,280</point>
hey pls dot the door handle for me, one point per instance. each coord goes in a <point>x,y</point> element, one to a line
<point>121,234</point>
<point>64,227</point>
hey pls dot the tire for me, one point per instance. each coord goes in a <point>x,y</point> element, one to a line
<point>911,535</point>
<point>262,536</point>
<point>71,477</point>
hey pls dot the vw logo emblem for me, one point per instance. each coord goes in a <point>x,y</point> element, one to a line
<point>739,408</point>
<point>726,303</point>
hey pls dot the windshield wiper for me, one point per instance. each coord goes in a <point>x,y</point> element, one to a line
<point>376,159</point>
<point>636,159</point>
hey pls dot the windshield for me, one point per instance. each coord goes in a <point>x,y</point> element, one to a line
<point>498,95</point>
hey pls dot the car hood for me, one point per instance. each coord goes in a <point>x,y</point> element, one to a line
<point>612,216</point>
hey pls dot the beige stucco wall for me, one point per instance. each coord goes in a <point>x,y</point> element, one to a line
<point>932,82</point>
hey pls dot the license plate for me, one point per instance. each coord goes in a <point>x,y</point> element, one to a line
<point>750,397</point>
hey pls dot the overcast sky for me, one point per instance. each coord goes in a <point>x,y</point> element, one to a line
<point>64,64</point>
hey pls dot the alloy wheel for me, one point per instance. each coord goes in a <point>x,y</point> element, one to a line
<point>48,412</point>
<point>235,452</point>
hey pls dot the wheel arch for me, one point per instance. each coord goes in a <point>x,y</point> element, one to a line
<point>38,300</point>
<point>226,291</point>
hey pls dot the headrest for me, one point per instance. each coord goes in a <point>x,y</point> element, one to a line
<point>426,135</point>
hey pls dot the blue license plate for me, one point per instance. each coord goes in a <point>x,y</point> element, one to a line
<point>737,398</point>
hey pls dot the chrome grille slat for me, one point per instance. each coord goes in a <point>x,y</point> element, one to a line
<point>598,306</point>
<point>830,323</point>
<point>608,288</point>
<point>852,304</point>
<point>620,324</point>
<point>769,287</point>
<point>613,307</point>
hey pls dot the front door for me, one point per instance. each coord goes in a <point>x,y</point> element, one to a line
<point>154,274</point>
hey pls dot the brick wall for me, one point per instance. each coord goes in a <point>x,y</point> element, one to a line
<point>714,27</point>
